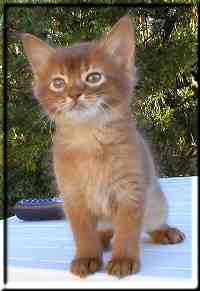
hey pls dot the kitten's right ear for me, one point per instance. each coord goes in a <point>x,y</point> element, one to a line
<point>120,42</point>
<point>37,51</point>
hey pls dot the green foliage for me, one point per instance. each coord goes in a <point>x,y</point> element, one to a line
<point>166,93</point>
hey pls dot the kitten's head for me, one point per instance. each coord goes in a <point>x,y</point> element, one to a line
<point>84,81</point>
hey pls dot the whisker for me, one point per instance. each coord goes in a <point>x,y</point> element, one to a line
<point>103,109</point>
<point>53,118</point>
<point>107,107</point>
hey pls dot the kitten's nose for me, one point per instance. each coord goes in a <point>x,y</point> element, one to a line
<point>75,92</point>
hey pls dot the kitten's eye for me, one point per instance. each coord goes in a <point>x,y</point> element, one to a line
<point>93,78</point>
<point>57,84</point>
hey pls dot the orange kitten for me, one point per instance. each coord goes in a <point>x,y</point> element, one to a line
<point>102,164</point>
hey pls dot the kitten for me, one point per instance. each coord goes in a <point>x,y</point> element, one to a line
<point>103,166</point>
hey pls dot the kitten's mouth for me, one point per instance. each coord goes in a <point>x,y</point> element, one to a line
<point>73,106</point>
<point>77,106</point>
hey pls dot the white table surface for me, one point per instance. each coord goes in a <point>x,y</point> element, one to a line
<point>42,251</point>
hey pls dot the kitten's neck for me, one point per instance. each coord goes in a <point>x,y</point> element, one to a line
<point>85,134</point>
<point>71,132</point>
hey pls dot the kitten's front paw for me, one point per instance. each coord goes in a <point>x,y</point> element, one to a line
<point>85,266</point>
<point>123,267</point>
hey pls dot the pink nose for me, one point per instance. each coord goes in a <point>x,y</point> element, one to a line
<point>75,92</point>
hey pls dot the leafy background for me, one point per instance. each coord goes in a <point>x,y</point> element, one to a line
<point>164,103</point>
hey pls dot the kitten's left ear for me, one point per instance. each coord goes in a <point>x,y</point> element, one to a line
<point>120,42</point>
<point>37,51</point>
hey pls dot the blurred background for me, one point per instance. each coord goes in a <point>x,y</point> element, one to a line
<point>164,102</point>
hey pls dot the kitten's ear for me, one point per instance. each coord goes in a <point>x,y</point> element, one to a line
<point>120,42</point>
<point>37,51</point>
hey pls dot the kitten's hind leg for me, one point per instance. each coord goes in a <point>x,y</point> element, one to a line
<point>156,219</point>
<point>156,209</point>
<point>167,235</point>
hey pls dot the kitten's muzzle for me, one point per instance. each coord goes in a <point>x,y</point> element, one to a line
<point>75,92</point>
<point>73,103</point>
